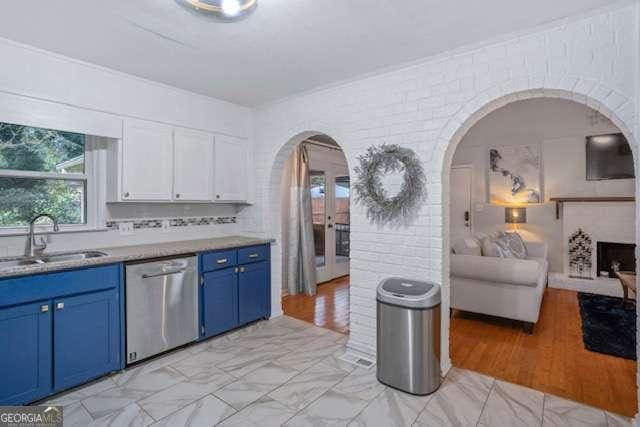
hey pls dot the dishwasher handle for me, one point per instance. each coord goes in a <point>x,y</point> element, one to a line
<point>164,273</point>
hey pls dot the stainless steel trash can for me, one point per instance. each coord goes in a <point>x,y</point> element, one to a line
<point>408,337</point>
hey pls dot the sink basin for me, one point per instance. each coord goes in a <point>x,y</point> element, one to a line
<point>70,256</point>
<point>12,262</point>
<point>16,262</point>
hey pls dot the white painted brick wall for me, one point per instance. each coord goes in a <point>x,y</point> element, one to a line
<point>425,106</point>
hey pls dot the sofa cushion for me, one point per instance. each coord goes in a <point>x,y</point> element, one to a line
<point>467,246</point>
<point>522,272</point>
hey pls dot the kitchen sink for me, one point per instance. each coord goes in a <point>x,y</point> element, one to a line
<point>17,262</point>
<point>70,256</point>
<point>13,262</point>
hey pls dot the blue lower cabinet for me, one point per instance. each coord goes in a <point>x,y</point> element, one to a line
<point>58,330</point>
<point>25,355</point>
<point>254,292</point>
<point>86,337</point>
<point>219,302</point>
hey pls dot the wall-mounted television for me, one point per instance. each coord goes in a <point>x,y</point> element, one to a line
<point>609,157</point>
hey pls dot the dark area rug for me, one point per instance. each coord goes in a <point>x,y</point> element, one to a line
<point>606,326</point>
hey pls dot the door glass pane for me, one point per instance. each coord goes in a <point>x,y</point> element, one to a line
<point>318,210</point>
<point>343,219</point>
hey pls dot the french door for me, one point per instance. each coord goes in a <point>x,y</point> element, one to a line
<point>330,196</point>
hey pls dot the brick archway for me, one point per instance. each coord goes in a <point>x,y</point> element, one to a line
<point>613,105</point>
<point>275,208</point>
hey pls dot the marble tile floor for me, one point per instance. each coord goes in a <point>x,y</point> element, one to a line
<point>288,372</point>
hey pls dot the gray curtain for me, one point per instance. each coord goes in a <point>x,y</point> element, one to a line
<point>300,269</point>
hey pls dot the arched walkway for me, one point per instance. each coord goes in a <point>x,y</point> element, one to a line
<point>275,200</point>
<point>616,107</point>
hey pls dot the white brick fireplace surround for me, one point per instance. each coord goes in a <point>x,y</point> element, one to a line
<point>428,106</point>
<point>603,222</point>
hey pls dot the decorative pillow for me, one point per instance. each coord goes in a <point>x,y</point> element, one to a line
<point>516,244</point>
<point>490,248</point>
<point>467,246</point>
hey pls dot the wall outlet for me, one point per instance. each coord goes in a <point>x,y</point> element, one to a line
<point>125,228</point>
<point>165,225</point>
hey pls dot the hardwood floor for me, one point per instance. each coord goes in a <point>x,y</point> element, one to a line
<point>329,308</point>
<point>552,360</point>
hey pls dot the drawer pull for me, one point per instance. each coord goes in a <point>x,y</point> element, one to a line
<point>44,308</point>
<point>254,255</point>
<point>222,261</point>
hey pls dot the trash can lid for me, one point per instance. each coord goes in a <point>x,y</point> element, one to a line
<point>409,293</point>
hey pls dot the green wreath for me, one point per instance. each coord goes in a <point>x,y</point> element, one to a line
<point>382,160</point>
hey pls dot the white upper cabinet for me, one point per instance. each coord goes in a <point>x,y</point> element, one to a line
<point>160,163</point>
<point>193,166</point>
<point>231,183</point>
<point>147,161</point>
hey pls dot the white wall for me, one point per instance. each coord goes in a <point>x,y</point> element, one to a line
<point>558,128</point>
<point>40,88</point>
<point>424,106</point>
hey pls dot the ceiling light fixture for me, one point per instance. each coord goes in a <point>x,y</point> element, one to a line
<point>222,10</point>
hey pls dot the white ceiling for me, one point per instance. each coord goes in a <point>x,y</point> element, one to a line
<point>287,46</point>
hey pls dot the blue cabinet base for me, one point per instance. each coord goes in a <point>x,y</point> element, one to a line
<point>61,330</point>
<point>239,293</point>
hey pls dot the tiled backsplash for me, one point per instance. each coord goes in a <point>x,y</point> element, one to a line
<point>139,224</point>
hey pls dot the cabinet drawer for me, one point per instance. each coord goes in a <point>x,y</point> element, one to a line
<point>216,260</point>
<point>253,254</point>
<point>45,286</point>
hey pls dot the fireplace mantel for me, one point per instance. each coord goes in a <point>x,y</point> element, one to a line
<point>560,200</point>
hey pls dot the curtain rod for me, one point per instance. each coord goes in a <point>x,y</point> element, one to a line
<point>321,144</point>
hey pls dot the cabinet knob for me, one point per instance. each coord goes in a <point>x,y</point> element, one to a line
<point>44,308</point>
<point>177,195</point>
<point>241,269</point>
<point>126,194</point>
<point>217,196</point>
<point>59,306</point>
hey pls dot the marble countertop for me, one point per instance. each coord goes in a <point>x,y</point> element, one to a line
<point>136,253</point>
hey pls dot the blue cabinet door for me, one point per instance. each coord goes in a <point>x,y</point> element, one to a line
<point>254,292</point>
<point>86,337</point>
<point>219,301</point>
<point>25,353</point>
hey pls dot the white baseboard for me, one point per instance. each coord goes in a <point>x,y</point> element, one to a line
<point>445,367</point>
<point>276,313</point>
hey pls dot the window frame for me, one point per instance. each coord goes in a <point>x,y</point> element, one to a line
<point>93,159</point>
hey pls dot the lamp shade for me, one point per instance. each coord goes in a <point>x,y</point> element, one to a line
<point>515,215</point>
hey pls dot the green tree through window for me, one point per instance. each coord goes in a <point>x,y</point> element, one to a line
<point>43,154</point>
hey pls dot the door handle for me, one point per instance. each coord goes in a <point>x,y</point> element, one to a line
<point>166,273</point>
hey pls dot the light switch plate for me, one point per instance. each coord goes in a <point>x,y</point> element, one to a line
<point>125,228</point>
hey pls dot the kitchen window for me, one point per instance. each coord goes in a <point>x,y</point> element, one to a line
<point>45,171</point>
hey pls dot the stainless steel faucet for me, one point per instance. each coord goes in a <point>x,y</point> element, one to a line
<point>34,248</point>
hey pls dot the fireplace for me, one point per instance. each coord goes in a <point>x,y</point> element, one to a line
<point>609,252</point>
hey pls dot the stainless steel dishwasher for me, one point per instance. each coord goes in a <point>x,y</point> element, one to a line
<point>162,306</point>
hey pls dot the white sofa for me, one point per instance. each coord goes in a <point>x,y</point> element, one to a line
<point>504,287</point>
